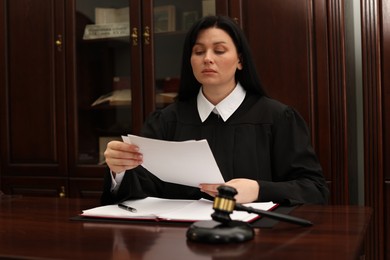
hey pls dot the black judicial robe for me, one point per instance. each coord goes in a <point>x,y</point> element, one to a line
<point>263,140</point>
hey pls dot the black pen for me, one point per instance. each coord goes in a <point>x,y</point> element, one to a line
<point>128,208</point>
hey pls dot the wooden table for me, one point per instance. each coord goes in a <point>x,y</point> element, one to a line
<point>40,228</point>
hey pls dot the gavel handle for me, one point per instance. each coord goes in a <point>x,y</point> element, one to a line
<point>274,215</point>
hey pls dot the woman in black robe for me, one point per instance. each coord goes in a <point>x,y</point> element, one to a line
<point>261,146</point>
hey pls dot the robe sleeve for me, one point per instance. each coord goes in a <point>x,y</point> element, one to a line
<point>140,183</point>
<point>297,176</point>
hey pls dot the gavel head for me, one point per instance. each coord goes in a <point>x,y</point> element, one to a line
<point>224,204</point>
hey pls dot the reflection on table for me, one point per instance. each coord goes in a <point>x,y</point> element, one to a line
<point>41,228</point>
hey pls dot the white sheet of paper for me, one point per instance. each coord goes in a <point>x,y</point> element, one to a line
<point>188,163</point>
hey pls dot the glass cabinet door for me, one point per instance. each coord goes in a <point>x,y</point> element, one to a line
<point>103,80</point>
<point>127,64</point>
<point>171,21</point>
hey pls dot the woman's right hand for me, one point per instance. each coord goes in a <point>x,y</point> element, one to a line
<point>122,156</point>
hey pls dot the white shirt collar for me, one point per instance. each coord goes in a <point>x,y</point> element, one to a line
<point>225,108</point>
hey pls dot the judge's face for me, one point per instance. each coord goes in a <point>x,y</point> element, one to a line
<point>214,60</point>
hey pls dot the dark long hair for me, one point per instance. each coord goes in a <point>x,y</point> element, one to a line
<point>248,77</point>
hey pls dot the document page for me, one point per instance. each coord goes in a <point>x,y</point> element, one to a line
<point>189,163</point>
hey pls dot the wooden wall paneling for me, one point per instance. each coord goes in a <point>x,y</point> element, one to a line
<point>235,10</point>
<point>33,124</point>
<point>87,188</point>
<point>71,84</point>
<point>373,130</point>
<point>136,67</point>
<point>385,43</point>
<point>299,51</point>
<point>33,130</point>
<point>387,220</point>
<point>148,58</point>
<point>35,186</point>
<point>3,80</point>
<point>322,127</point>
<point>338,100</point>
<point>222,7</point>
<point>281,49</point>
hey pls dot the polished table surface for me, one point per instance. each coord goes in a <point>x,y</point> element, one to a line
<point>40,228</point>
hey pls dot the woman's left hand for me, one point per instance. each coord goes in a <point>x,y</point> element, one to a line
<point>247,190</point>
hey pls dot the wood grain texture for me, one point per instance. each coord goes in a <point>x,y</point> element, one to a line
<point>30,223</point>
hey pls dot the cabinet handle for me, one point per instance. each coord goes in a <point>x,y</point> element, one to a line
<point>134,36</point>
<point>62,193</point>
<point>59,42</point>
<point>147,35</point>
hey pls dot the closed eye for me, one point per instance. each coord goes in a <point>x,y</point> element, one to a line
<point>198,52</point>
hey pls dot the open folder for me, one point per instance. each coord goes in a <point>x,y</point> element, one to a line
<point>158,209</point>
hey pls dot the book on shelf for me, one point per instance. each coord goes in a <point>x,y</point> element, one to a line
<point>116,97</point>
<point>102,31</point>
<point>158,209</point>
<point>165,97</point>
<point>109,23</point>
<point>111,15</point>
<point>164,18</point>
<point>208,7</point>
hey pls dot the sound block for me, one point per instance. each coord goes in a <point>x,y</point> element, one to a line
<point>214,232</point>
